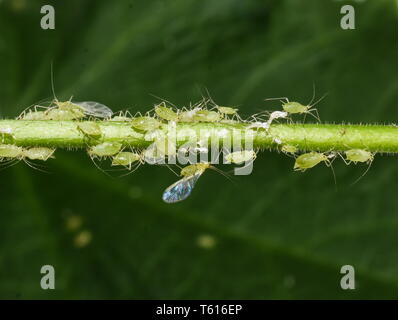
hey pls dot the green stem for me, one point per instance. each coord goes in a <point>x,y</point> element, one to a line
<point>307,137</point>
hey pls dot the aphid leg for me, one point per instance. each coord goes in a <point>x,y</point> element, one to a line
<point>309,111</point>
<point>225,174</point>
<point>163,100</point>
<point>8,164</point>
<point>131,168</point>
<point>33,166</point>
<point>330,165</point>
<point>363,174</point>
<point>98,167</point>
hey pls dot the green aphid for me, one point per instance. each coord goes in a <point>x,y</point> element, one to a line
<point>63,115</point>
<point>359,155</point>
<point>227,110</point>
<point>194,169</point>
<point>188,116</point>
<point>105,149</point>
<point>288,148</point>
<point>145,123</point>
<point>38,153</point>
<point>166,113</point>
<point>309,160</point>
<point>69,106</point>
<point>10,151</point>
<point>126,159</point>
<point>238,157</point>
<point>120,119</point>
<point>90,129</point>
<point>207,116</point>
<point>35,115</point>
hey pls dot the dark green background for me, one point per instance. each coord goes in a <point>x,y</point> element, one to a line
<point>279,233</point>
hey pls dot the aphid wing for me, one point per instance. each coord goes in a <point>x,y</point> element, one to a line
<point>181,189</point>
<point>95,109</point>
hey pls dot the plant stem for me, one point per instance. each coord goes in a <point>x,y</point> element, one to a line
<point>307,137</point>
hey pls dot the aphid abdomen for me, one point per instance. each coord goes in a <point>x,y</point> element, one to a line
<point>207,116</point>
<point>10,151</point>
<point>145,123</point>
<point>63,115</point>
<point>90,129</point>
<point>38,153</point>
<point>193,169</point>
<point>308,160</point>
<point>238,157</point>
<point>287,148</point>
<point>125,159</point>
<point>227,110</point>
<point>105,149</point>
<point>294,107</point>
<point>166,113</point>
<point>358,155</point>
<point>35,115</point>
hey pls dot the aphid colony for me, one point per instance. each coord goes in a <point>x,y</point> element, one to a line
<point>151,125</point>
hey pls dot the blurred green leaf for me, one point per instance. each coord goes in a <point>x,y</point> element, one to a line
<point>277,233</point>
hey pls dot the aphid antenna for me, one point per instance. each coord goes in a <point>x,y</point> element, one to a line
<point>98,167</point>
<point>52,80</point>
<point>281,99</point>
<point>223,173</point>
<point>363,174</point>
<point>34,166</point>
<point>131,168</point>
<point>8,163</point>
<point>35,105</point>
<point>329,163</point>
<point>163,100</point>
<point>347,162</point>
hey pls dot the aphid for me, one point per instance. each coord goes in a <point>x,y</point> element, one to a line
<point>166,113</point>
<point>12,154</point>
<point>38,153</point>
<point>188,116</point>
<point>309,160</point>
<point>289,149</point>
<point>227,110</point>
<point>63,114</point>
<point>145,123</point>
<point>238,157</point>
<point>359,155</point>
<point>78,109</point>
<point>126,159</point>
<point>207,116</point>
<point>34,115</point>
<point>90,129</point>
<point>259,125</point>
<point>293,107</point>
<point>121,119</point>
<point>105,149</point>
<point>10,151</point>
<point>277,115</point>
<point>181,189</point>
